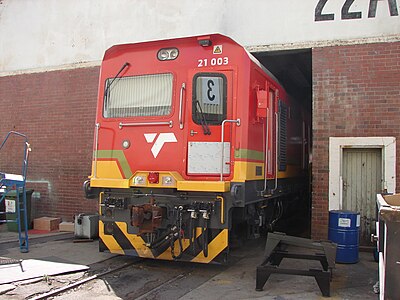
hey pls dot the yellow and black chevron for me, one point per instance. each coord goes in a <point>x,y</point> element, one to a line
<point>122,242</point>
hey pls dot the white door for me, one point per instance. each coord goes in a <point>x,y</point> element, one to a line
<point>362,180</point>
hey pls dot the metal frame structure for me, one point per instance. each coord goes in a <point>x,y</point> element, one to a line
<point>274,254</point>
<point>17,183</point>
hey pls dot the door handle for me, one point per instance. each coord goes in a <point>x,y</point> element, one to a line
<point>192,132</point>
<point>181,106</point>
<point>345,185</point>
<point>374,238</point>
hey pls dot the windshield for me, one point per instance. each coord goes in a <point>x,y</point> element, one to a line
<point>138,96</point>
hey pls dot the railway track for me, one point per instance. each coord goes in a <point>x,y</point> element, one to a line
<point>152,279</point>
<point>125,277</point>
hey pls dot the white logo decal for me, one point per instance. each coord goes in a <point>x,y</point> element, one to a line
<point>160,141</point>
<point>150,137</point>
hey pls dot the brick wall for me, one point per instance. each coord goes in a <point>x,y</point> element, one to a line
<point>56,110</point>
<point>356,92</point>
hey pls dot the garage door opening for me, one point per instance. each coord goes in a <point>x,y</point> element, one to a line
<point>293,69</point>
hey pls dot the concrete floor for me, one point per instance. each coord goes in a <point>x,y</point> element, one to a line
<point>350,281</point>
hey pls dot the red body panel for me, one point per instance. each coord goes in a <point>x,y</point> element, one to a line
<point>244,78</point>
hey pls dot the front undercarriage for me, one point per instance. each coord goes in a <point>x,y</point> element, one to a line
<point>188,226</point>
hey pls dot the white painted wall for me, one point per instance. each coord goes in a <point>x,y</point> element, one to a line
<point>50,33</point>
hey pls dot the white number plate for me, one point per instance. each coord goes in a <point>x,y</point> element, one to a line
<point>211,90</point>
<point>206,62</point>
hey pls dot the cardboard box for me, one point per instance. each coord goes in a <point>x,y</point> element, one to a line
<point>67,226</point>
<point>46,223</point>
<point>393,200</point>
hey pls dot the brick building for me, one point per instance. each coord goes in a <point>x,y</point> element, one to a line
<point>355,94</point>
<point>343,60</point>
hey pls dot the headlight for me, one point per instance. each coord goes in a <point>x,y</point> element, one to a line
<point>163,54</point>
<point>139,180</point>
<point>126,144</point>
<point>168,54</point>
<point>168,181</point>
<point>174,53</point>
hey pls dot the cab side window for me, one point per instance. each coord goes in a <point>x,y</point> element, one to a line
<point>209,98</point>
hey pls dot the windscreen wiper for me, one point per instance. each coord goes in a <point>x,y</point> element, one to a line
<point>107,91</point>
<point>202,119</point>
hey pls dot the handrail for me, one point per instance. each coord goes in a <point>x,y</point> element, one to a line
<point>96,147</point>
<point>12,181</point>
<point>181,106</point>
<point>169,123</point>
<point>276,150</point>
<point>13,132</point>
<point>222,144</point>
<point>220,198</point>
<point>27,149</point>
<point>266,161</point>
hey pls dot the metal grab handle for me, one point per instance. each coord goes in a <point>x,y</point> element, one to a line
<point>181,106</point>
<point>96,147</point>
<point>276,149</point>
<point>222,144</point>
<point>266,160</point>
<point>15,133</point>
<point>27,149</point>
<point>169,123</point>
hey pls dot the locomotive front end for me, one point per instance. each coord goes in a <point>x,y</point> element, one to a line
<point>163,150</point>
<point>195,142</point>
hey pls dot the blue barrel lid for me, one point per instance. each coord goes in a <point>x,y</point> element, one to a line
<point>342,211</point>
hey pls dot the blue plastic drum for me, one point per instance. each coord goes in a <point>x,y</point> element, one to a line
<point>344,231</point>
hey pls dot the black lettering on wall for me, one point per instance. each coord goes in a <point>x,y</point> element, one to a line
<point>392,8</point>
<point>349,15</point>
<point>318,12</point>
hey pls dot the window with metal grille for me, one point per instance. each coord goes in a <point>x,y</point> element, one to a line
<point>282,146</point>
<point>138,96</point>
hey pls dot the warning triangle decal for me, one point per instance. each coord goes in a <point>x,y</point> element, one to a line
<point>217,49</point>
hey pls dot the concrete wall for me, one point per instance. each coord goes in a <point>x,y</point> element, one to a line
<point>356,93</point>
<point>50,33</point>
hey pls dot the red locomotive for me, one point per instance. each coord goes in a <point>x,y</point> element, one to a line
<point>195,141</point>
